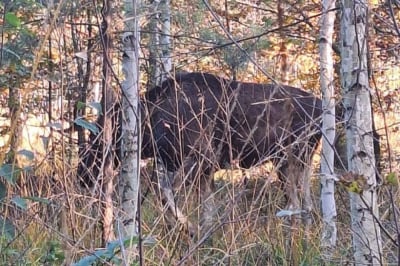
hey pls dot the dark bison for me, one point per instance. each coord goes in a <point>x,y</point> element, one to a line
<point>197,123</point>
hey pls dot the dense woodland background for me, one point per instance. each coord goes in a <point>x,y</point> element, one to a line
<point>50,91</point>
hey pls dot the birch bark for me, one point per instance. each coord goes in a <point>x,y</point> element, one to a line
<point>129,182</point>
<point>328,204</point>
<point>360,151</point>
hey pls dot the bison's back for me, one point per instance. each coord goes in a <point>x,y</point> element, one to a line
<point>213,120</point>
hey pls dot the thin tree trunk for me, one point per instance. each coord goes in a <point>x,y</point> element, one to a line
<point>108,122</point>
<point>165,40</point>
<point>160,63</point>
<point>361,160</point>
<point>16,123</point>
<point>328,205</point>
<point>129,184</point>
<point>154,43</point>
<point>283,53</point>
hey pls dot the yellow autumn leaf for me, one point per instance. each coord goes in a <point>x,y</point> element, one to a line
<point>354,187</point>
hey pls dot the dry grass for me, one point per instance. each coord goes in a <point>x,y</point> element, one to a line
<point>247,229</point>
<point>249,233</point>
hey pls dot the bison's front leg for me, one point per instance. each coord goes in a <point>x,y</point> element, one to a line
<point>168,198</point>
<point>197,173</point>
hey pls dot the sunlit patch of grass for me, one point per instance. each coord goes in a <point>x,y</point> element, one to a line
<point>235,175</point>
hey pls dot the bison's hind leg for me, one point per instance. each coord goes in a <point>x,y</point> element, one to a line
<point>168,198</point>
<point>295,177</point>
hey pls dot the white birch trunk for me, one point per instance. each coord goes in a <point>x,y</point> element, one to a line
<point>130,146</point>
<point>160,42</point>
<point>154,43</point>
<point>328,204</point>
<point>361,160</point>
<point>165,40</point>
